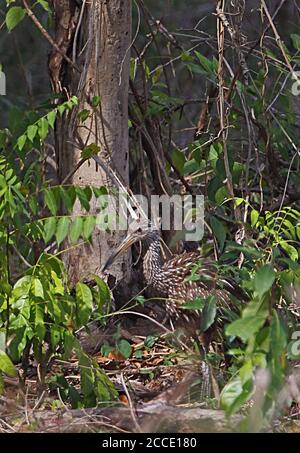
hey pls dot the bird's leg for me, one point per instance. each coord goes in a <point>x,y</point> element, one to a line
<point>203,342</point>
<point>205,391</point>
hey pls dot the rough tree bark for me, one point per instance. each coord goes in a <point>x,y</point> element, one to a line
<point>97,38</point>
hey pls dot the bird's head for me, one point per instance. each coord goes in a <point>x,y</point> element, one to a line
<point>138,230</point>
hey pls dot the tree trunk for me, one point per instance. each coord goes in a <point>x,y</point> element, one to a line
<point>99,45</point>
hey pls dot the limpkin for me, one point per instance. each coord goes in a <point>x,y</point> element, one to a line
<point>171,281</point>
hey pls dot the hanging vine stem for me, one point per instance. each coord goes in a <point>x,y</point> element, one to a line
<point>221,101</point>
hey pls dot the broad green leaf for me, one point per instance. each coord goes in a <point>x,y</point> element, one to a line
<point>55,334</point>
<point>254,217</point>
<point>264,279</point>
<point>31,132</point>
<point>221,195</point>
<point>84,304</point>
<point>89,151</point>
<point>51,117</point>
<point>82,196</point>
<point>245,327</point>
<point>76,229</point>
<point>40,328</point>
<point>296,41</point>
<point>104,389</point>
<point>62,229</point>
<point>104,293</point>
<point>58,284</point>
<point>14,15</point>
<point>150,341</point>
<point>45,5</point>
<point>49,229</point>
<point>235,394</point>
<point>88,226</point>
<point>290,250</point>
<point>83,115</point>
<point>219,231</point>
<point>87,377</point>
<point>96,101</point>
<point>278,335</point>
<point>2,341</point>
<point>51,202</point>
<point>37,288</point>
<point>207,64</point>
<point>125,348</point>
<point>208,313</point>
<point>196,304</point>
<point>179,160</point>
<point>43,128</point>
<point>21,142</point>
<point>6,365</point>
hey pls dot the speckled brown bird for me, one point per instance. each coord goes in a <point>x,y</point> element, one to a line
<point>170,278</point>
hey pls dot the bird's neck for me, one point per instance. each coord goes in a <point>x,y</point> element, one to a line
<point>152,263</point>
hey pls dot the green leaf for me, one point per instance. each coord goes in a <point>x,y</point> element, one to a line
<point>219,231</point>
<point>254,217</point>
<point>278,336</point>
<point>296,41</point>
<point>62,229</point>
<point>84,304</point>
<point>31,132</point>
<point>89,151</point>
<point>51,202</point>
<point>76,229</point>
<point>290,250</point>
<point>88,226</point>
<point>196,304</point>
<point>179,160</point>
<point>104,388</point>
<point>2,340</point>
<point>2,385</point>
<point>58,287</point>
<point>84,201</point>
<point>6,365</point>
<point>49,229</point>
<point>45,5</point>
<point>83,115</point>
<point>150,341</point>
<point>264,279</point>
<point>43,128</point>
<point>21,141</point>
<point>208,313</point>
<point>104,293</point>
<point>205,62</point>
<point>51,117</point>
<point>125,348</point>
<point>37,288</point>
<point>96,101</point>
<point>245,327</point>
<point>40,328</point>
<point>14,16</point>
<point>235,394</point>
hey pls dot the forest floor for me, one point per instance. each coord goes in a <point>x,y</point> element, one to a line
<point>159,388</point>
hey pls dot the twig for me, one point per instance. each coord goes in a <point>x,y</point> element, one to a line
<point>47,36</point>
<point>133,414</point>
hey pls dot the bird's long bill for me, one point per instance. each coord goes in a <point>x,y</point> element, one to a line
<point>125,244</point>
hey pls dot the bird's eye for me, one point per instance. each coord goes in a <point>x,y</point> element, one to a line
<point>139,230</point>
